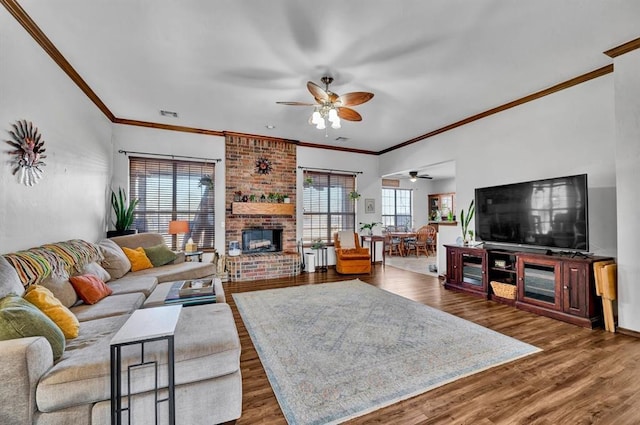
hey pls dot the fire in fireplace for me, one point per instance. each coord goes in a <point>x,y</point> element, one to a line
<point>261,240</point>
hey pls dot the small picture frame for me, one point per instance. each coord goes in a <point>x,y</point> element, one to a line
<point>369,206</point>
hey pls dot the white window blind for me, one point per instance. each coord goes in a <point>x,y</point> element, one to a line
<point>174,190</point>
<point>327,206</point>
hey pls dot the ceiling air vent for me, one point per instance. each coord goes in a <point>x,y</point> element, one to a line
<point>168,113</point>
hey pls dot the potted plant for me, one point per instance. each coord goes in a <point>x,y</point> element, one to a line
<point>464,222</point>
<point>368,227</point>
<point>286,199</point>
<point>317,244</point>
<point>123,211</point>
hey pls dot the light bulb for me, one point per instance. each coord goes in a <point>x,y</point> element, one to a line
<point>336,123</point>
<point>333,115</point>
<point>320,125</point>
<point>413,179</point>
<point>316,118</point>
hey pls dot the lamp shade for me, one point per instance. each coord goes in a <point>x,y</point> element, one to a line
<point>178,226</point>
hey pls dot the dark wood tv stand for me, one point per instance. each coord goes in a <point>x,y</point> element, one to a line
<point>557,285</point>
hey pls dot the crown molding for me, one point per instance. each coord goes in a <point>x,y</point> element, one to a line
<point>537,95</point>
<point>623,48</point>
<point>170,127</point>
<point>30,26</point>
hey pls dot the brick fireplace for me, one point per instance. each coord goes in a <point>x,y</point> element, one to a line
<point>242,175</point>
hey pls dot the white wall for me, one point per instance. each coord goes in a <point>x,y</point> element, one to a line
<point>141,139</point>
<point>569,132</point>
<point>70,200</point>
<point>627,148</point>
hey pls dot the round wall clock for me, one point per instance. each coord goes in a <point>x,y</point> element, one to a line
<point>263,166</point>
<point>28,152</point>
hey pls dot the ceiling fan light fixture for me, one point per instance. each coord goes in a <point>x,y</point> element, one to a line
<point>316,117</point>
<point>333,115</point>
<point>328,103</point>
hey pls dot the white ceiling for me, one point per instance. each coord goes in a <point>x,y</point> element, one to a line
<point>223,64</point>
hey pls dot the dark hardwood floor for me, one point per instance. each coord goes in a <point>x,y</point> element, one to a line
<point>582,377</point>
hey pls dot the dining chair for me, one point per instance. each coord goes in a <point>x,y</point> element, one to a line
<point>392,245</point>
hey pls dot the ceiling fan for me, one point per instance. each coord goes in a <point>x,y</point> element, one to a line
<point>331,106</point>
<point>413,176</point>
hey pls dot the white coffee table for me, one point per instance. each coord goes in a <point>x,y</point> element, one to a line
<point>144,325</point>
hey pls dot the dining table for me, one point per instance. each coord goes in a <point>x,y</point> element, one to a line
<point>403,236</point>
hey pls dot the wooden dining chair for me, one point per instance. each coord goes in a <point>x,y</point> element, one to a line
<point>420,243</point>
<point>432,239</point>
<point>392,245</point>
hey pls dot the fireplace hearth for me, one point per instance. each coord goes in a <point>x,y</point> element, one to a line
<point>261,240</point>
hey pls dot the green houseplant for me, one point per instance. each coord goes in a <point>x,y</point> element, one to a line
<point>368,227</point>
<point>123,211</point>
<point>465,220</point>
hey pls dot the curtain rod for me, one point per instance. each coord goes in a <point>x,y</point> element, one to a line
<point>170,156</point>
<point>329,170</point>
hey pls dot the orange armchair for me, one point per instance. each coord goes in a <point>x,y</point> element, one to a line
<point>350,257</point>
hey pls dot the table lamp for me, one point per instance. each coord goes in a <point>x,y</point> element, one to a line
<point>178,226</point>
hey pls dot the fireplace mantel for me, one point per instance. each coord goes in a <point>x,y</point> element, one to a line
<point>261,208</point>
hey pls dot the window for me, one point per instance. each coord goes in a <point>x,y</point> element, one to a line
<point>174,190</point>
<point>396,207</point>
<point>327,206</point>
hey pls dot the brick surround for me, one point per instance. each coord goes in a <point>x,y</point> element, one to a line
<point>242,152</point>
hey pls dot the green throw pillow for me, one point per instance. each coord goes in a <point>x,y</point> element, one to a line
<point>160,255</point>
<point>19,319</point>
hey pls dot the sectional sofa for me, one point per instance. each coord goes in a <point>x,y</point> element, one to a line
<point>75,388</point>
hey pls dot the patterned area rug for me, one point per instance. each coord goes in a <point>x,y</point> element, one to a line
<point>339,350</point>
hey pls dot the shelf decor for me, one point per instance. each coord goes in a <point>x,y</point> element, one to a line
<point>263,166</point>
<point>28,152</point>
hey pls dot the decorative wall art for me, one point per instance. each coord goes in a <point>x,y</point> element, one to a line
<point>28,152</point>
<point>263,166</point>
<point>369,206</point>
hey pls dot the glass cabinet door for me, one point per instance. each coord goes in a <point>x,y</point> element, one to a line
<point>538,282</point>
<point>472,270</point>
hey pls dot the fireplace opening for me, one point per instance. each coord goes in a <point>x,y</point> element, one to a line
<point>261,240</point>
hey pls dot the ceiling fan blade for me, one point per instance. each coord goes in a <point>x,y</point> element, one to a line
<point>349,114</point>
<point>355,98</point>
<point>425,177</point>
<point>296,103</point>
<point>317,92</point>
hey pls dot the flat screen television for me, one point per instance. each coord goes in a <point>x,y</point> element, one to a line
<point>550,213</point>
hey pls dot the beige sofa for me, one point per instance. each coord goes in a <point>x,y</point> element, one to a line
<point>75,389</point>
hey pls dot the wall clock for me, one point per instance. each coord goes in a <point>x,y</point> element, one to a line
<point>263,166</point>
<point>28,152</point>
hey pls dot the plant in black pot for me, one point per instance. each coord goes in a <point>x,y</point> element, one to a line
<point>123,211</point>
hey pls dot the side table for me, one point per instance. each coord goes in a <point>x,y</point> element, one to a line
<point>321,259</point>
<point>372,239</point>
<point>189,255</point>
<point>144,325</point>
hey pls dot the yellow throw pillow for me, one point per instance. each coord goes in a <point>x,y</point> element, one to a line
<point>43,298</point>
<point>138,259</point>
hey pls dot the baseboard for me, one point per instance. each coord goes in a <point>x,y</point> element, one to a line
<point>628,332</point>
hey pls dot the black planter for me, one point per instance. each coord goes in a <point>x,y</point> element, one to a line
<point>112,233</point>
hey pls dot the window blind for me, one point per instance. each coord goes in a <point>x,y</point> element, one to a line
<point>327,206</point>
<point>170,190</point>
